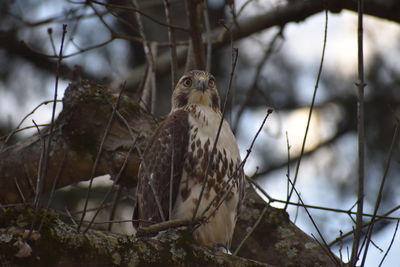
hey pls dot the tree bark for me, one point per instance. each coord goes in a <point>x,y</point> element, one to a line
<point>59,244</point>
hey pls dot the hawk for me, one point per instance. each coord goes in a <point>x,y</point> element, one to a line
<point>176,162</point>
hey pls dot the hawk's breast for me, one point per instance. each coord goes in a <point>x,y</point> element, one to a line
<point>224,180</point>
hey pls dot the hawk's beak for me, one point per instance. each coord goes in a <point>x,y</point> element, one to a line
<point>202,85</point>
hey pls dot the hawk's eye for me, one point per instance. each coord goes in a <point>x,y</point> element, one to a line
<point>211,83</point>
<point>187,82</point>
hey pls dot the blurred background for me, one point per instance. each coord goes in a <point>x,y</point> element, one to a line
<point>277,68</point>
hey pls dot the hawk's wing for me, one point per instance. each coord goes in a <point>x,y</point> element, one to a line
<point>162,161</point>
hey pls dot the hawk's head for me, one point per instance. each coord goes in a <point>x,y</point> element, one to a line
<point>196,87</point>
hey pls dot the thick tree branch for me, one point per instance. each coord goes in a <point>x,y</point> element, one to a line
<point>58,244</point>
<point>282,14</point>
<point>77,135</point>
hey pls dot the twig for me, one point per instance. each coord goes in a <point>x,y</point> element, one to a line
<point>312,104</point>
<point>155,228</point>
<point>253,228</point>
<point>361,141</point>
<point>211,157</point>
<point>330,254</point>
<point>97,159</point>
<point>114,207</point>
<point>50,33</point>
<point>111,188</point>
<point>53,188</point>
<point>208,36</point>
<point>253,88</point>
<point>114,110</point>
<point>38,179</point>
<point>53,112</point>
<point>380,217</point>
<point>227,188</point>
<point>16,129</point>
<point>349,212</point>
<point>71,217</point>
<point>171,177</point>
<point>21,194</point>
<point>379,197</point>
<point>287,171</point>
<point>391,243</point>
<point>171,37</point>
<point>151,184</point>
<point>150,51</point>
<point>136,10</point>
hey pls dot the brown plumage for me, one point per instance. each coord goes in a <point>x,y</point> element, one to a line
<point>176,159</point>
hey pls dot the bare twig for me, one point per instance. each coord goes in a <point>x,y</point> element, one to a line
<point>97,159</point>
<point>114,207</point>
<point>17,129</point>
<point>53,189</point>
<point>111,188</point>
<point>114,111</point>
<point>287,171</point>
<point>171,36</point>
<point>391,243</point>
<point>155,228</point>
<point>379,217</point>
<point>208,36</point>
<point>138,11</point>
<point>211,156</point>
<point>379,197</point>
<point>312,104</point>
<point>149,179</point>
<point>361,141</point>
<point>21,194</point>
<point>150,52</point>
<point>253,228</point>
<point>39,178</point>
<point>325,247</point>
<point>53,112</point>
<point>253,87</point>
<point>50,33</point>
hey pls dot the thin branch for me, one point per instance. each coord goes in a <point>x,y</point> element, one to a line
<point>138,11</point>
<point>287,171</point>
<point>312,104</point>
<point>361,138</point>
<point>211,157</point>
<point>16,129</point>
<point>391,243</point>
<point>253,228</point>
<point>326,247</point>
<point>208,36</point>
<point>114,207</point>
<point>21,194</point>
<point>379,217</point>
<point>379,197</point>
<point>253,87</point>
<point>150,51</point>
<point>97,159</point>
<point>171,37</point>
